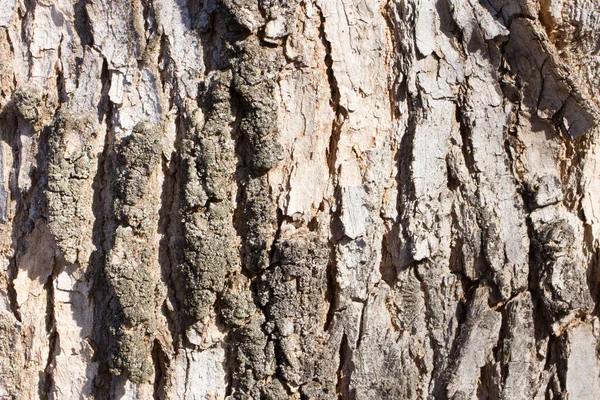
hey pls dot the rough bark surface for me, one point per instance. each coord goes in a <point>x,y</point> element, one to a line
<point>300,199</point>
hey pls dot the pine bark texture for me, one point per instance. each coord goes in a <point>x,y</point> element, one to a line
<point>299,199</point>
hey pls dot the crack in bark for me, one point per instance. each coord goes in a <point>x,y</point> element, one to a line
<point>340,113</point>
<point>343,376</point>
<point>47,381</point>
<point>101,387</point>
<point>160,370</point>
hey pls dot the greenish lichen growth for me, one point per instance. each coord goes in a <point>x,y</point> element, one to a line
<point>71,161</point>
<point>274,390</point>
<point>292,296</point>
<point>260,224</point>
<point>28,101</point>
<point>141,150</point>
<point>296,286</point>
<point>130,356</point>
<point>208,163</point>
<point>131,282</point>
<point>236,307</point>
<point>254,357</point>
<point>238,104</point>
<point>246,13</point>
<point>256,70</point>
<point>136,158</point>
<point>131,258</point>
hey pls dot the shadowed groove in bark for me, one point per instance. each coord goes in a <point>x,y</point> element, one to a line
<point>333,291</point>
<point>168,228</point>
<point>82,23</point>
<point>159,360</point>
<point>53,339</point>
<point>344,372</point>
<point>102,239</point>
<point>339,112</point>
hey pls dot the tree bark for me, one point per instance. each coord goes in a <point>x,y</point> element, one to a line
<point>311,199</point>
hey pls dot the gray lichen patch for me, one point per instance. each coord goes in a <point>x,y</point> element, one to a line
<point>132,355</point>
<point>28,101</point>
<point>260,224</point>
<point>209,159</point>
<point>132,286</point>
<point>297,286</point>
<point>208,163</point>
<point>560,278</point>
<point>207,259</point>
<point>245,12</point>
<point>236,306</point>
<point>292,297</point>
<point>131,280</point>
<point>131,262</point>
<point>274,19</point>
<point>136,158</point>
<point>71,165</point>
<point>256,70</point>
<point>141,150</point>
<point>254,357</point>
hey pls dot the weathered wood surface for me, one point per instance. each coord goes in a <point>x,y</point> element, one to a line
<point>317,199</point>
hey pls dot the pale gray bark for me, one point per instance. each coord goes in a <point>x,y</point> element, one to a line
<point>314,199</point>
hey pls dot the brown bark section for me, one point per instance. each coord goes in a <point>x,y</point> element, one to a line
<point>321,199</point>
